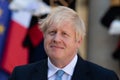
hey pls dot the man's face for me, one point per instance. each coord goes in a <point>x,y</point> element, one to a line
<point>60,42</point>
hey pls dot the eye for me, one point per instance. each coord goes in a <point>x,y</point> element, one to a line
<point>65,34</point>
<point>52,32</point>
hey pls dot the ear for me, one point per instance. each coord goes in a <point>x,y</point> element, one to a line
<point>79,41</point>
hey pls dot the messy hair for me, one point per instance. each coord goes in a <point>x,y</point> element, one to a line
<point>59,16</point>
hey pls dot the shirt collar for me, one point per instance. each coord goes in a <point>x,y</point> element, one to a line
<point>67,69</point>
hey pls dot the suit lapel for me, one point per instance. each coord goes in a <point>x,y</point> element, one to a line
<point>40,72</point>
<point>81,71</point>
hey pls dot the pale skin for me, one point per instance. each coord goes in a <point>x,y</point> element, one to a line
<point>60,44</point>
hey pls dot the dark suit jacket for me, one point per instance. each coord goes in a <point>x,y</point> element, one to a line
<point>84,70</point>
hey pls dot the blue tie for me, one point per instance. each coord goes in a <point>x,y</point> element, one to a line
<point>59,75</point>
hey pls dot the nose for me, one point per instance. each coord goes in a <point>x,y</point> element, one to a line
<point>56,38</point>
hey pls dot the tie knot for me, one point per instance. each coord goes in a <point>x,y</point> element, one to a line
<point>60,73</point>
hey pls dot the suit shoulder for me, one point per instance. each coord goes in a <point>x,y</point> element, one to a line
<point>97,67</point>
<point>101,71</point>
<point>25,71</point>
<point>29,67</point>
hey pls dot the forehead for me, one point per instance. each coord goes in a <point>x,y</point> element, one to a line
<point>66,26</point>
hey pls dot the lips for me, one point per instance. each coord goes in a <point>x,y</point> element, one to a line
<point>57,47</point>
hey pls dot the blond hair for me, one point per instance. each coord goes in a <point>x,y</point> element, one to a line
<point>61,14</point>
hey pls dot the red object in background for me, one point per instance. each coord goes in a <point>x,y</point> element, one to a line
<point>35,35</point>
<point>15,54</point>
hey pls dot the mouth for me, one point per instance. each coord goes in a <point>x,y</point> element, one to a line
<point>56,47</point>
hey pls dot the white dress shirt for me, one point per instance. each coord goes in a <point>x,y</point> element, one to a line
<point>52,69</point>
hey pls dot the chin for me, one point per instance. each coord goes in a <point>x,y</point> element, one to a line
<point>56,55</point>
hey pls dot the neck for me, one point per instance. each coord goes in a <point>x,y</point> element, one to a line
<point>61,63</point>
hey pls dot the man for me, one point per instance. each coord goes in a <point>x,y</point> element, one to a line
<point>63,33</point>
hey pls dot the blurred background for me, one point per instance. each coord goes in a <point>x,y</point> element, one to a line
<point>21,41</point>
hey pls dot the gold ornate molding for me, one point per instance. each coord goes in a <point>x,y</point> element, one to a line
<point>53,3</point>
<point>115,2</point>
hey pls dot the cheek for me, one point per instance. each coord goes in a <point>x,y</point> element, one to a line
<point>73,45</point>
<point>46,38</point>
<point>47,41</point>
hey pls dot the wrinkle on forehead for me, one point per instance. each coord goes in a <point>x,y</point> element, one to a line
<point>61,23</point>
